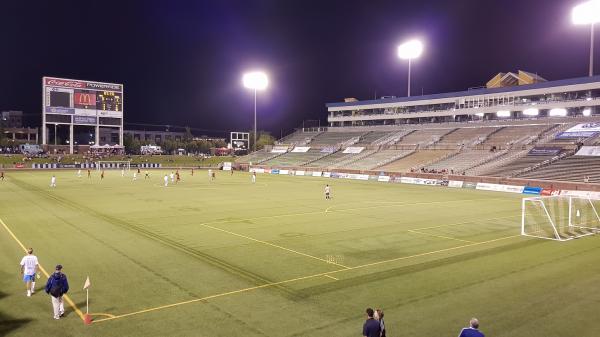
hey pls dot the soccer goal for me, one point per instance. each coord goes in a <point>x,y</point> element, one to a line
<point>113,164</point>
<point>560,218</point>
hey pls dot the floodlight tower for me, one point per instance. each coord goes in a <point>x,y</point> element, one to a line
<point>588,13</point>
<point>410,50</point>
<point>255,80</point>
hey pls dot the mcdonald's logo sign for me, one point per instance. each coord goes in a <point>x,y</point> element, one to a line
<point>84,99</point>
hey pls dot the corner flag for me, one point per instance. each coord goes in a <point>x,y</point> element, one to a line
<point>87,283</point>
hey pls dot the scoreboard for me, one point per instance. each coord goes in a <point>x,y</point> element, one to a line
<point>78,102</point>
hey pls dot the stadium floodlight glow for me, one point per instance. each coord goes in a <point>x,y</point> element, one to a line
<point>256,80</point>
<point>558,112</point>
<point>479,114</point>
<point>410,50</point>
<point>531,112</point>
<point>587,112</point>
<point>588,13</point>
<point>503,113</point>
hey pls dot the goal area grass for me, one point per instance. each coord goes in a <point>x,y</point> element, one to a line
<point>227,257</point>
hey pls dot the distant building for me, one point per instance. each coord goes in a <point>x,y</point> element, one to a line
<point>11,119</point>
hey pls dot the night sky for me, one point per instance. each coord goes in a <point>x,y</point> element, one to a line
<point>181,62</point>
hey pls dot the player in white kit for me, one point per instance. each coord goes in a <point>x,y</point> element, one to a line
<point>134,176</point>
<point>166,180</point>
<point>79,173</point>
<point>53,181</point>
<point>29,268</point>
<point>253,177</point>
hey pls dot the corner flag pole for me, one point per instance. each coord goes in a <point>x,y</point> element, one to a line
<point>86,286</point>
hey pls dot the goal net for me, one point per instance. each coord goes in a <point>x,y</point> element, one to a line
<point>114,164</point>
<point>560,218</point>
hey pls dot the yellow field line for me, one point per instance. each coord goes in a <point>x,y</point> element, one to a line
<point>331,277</point>
<point>66,297</point>
<point>439,236</point>
<point>326,274</point>
<point>273,245</point>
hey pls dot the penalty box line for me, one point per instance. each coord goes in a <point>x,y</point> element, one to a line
<point>325,274</point>
<point>66,297</point>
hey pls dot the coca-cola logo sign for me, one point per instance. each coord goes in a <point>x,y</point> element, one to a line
<point>65,83</point>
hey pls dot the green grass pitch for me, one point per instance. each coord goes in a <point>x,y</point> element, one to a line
<point>232,258</point>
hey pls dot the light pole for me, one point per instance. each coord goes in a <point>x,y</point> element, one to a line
<point>588,13</point>
<point>255,80</point>
<point>408,51</point>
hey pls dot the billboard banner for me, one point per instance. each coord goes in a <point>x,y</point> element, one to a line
<point>274,171</point>
<point>59,110</point>
<point>79,84</point>
<point>279,149</point>
<point>301,149</point>
<point>583,194</point>
<point>532,190</point>
<point>544,151</point>
<point>354,149</point>
<point>84,120</point>
<point>455,183</point>
<point>316,174</point>
<point>328,149</point>
<point>284,171</point>
<point>582,130</point>
<point>500,188</point>
<point>591,151</point>
<point>327,174</point>
<point>300,173</point>
<point>227,166</point>
<point>383,179</point>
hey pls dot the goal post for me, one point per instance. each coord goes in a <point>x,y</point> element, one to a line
<point>113,164</point>
<point>560,218</point>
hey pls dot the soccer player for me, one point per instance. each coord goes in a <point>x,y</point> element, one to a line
<point>209,173</point>
<point>53,181</point>
<point>147,175</point>
<point>2,175</point>
<point>89,174</point>
<point>102,175</point>
<point>134,176</point>
<point>192,171</point>
<point>177,177</point>
<point>123,172</point>
<point>166,180</point>
<point>29,268</point>
<point>472,330</point>
<point>172,177</point>
<point>79,173</point>
<point>327,192</point>
<point>253,177</point>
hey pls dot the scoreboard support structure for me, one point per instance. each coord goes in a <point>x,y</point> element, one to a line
<point>81,103</point>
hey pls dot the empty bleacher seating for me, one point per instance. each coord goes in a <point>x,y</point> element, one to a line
<point>415,160</point>
<point>295,158</point>
<point>573,168</point>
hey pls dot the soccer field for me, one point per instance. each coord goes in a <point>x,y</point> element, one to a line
<point>232,258</point>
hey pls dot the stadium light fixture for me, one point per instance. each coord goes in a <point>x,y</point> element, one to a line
<point>588,13</point>
<point>587,112</point>
<point>479,114</point>
<point>503,113</point>
<point>256,80</point>
<point>558,112</point>
<point>410,50</point>
<point>531,112</point>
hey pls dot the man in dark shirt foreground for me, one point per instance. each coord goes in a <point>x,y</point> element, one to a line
<point>371,327</point>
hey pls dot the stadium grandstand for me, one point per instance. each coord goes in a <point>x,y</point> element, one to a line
<point>520,125</point>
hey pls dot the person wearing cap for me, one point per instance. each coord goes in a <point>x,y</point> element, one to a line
<point>472,330</point>
<point>56,287</point>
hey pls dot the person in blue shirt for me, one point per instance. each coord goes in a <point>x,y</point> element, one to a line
<point>56,287</point>
<point>371,328</point>
<point>472,330</point>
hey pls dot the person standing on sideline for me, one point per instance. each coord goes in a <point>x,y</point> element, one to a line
<point>379,317</point>
<point>327,192</point>
<point>166,180</point>
<point>29,268</point>
<point>56,287</point>
<point>253,177</point>
<point>53,181</point>
<point>2,175</point>
<point>472,330</point>
<point>89,174</point>
<point>192,171</point>
<point>371,327</point>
